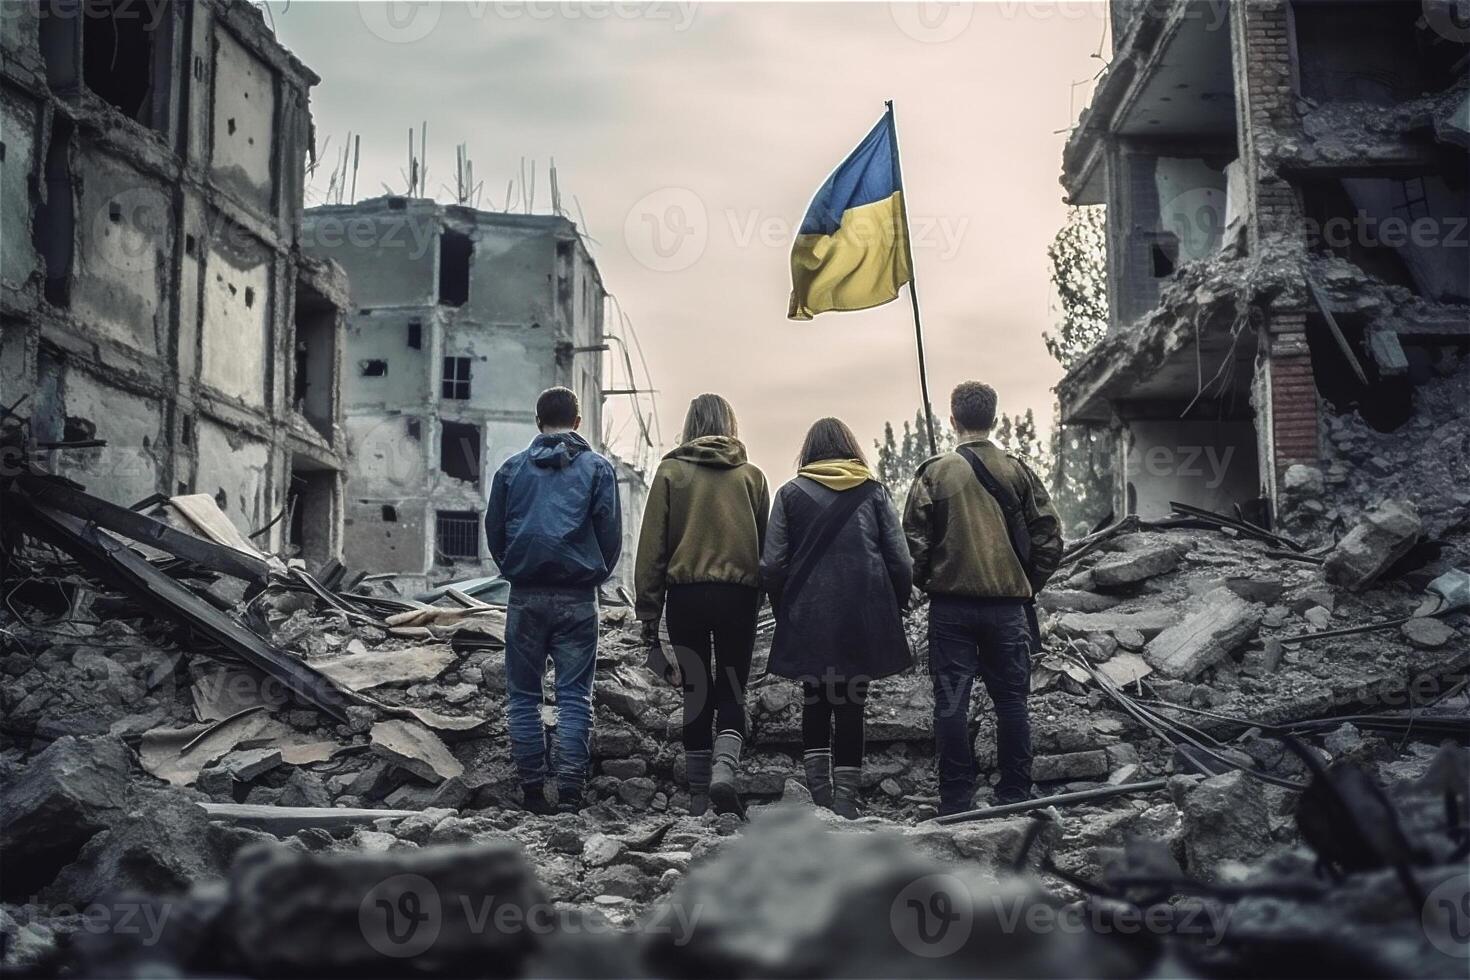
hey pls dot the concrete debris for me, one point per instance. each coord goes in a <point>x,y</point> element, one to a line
<point>416,748</point>
<point>1220,623</point>
<point>1382,537</point>
<point>375,668</point>
<point>1427,634</point>
<point>1130,567</point>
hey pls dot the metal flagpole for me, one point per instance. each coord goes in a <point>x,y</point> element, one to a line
<point>908,249</point>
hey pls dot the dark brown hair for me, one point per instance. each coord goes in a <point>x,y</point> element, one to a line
<point>557,408</point>
<point>973,406</point>
<point>709,415</point>
<point>830,438</point>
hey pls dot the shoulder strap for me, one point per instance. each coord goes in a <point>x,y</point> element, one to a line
<point>820,535</point>
<point>1010,507</point>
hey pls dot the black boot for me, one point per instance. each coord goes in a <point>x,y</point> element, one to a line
<point>697,765</point>
<point>847,784</point>
<point>819,775</point>
<point>722,791</point>
<point>534,798</point>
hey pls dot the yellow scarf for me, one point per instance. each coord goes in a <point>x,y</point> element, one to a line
<point>837,474</point>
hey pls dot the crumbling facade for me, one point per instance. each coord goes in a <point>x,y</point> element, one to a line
<point>151,290</point>
<point>459,319</point>
<point>1286,195</point>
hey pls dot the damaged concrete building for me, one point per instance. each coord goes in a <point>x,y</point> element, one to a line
<point>458,319</point>
<point>161,332</point>
<point>1286,195</point>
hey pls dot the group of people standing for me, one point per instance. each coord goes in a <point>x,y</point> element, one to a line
<point>979,536</point>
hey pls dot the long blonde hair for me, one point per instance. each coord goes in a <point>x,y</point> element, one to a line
<point>710,415</point>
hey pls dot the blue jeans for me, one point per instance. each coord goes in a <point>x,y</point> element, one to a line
<point>559,625</point>
<point>991,640</point>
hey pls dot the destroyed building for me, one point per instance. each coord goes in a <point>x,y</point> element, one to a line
<point>1286,191</point>
<point>458,319</point>
<point>161,332</point>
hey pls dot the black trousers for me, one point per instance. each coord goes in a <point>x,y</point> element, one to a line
<point>712,628</point>
<point>832,715</point>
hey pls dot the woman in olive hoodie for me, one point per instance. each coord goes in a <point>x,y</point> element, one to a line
<point>699,567</point>
<point>838,571</point>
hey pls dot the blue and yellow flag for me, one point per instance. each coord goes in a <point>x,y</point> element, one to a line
<point>852,250</point>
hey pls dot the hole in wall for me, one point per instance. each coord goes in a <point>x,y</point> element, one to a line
<point>374,368</point>
<point>390,513</point>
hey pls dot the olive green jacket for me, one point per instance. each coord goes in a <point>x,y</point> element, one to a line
<point>705,521</point>
<point>957,532</point>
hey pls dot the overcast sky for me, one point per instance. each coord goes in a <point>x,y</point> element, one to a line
<point>693,137</point>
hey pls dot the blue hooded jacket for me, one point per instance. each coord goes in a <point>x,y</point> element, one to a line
<point>553,517</point>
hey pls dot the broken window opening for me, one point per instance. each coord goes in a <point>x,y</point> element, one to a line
<point>55,224</point>
<point>457,378</point>
<point>373,368</point>
<point>415,430</point>
<point>313,393</point>
<point>456,534</point>
<point>311,500</point>
<point>1162,263</point>
<point>455,249</point>
<point>1384,401</point>
<point>119,53</point>
<point>459,451</point>
<point>390,513</point>
<point>415,335</point>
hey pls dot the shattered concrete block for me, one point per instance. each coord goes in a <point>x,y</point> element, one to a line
<point>601,850</point>
<point>1124,669</point>
<point>162,847</point>
<point>1221,622</point>
<point>1224,819</point>
<point>1301,482</point>
<point>637,792</point>
<point>304,789</point>
<point>1257,588</point>
<point>625,768</point>
<point>1318,617</point>
<point>364,914</point>
<point>1090,764</point>
<point>787,897</point>
<point>1074,600</point>
<point>240,766</point>
<point>414,747</point>
<point>69,792</point>
<point>1130,567</point>
<point>1382,537</point>
<point>1149,622</point>
<point>1426,633</point>
<point>362,669</point>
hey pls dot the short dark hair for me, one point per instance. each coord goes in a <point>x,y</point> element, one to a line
<point>973,406</point>
<point>557,407</point>
<point>830,438</point>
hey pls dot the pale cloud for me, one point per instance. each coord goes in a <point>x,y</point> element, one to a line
<point>747,107</point>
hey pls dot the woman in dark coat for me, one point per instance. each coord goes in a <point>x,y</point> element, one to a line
<point>838,572</point>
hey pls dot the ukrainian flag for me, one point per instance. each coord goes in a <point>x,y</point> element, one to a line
<point>852,251</point>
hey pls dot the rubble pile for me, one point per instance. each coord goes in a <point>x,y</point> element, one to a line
<point>272,758</point>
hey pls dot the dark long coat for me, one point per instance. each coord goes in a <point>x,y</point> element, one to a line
<point>846,620</point>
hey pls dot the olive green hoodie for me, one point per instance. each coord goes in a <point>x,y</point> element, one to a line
<point>705,521</point>
<point>957,532</point>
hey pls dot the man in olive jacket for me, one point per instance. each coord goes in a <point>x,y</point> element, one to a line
<point>979,591</point>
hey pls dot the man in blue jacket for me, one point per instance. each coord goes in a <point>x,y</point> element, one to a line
<point>555,529</point>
